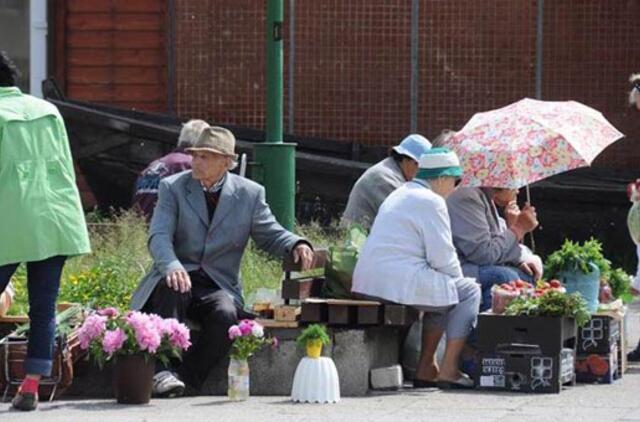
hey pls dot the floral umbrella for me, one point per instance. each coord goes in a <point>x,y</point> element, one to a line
<point>530,140</point>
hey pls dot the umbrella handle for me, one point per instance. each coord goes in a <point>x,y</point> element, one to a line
<point>533,241</point>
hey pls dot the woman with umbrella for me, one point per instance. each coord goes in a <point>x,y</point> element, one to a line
<point>501,151</point>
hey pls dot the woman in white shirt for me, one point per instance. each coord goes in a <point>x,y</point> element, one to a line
<point>409,258</point>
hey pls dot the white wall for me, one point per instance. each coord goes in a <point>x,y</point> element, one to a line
<point>38,46</point>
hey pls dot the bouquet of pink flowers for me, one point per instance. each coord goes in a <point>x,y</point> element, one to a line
<point>248,337</point>
<point>107,334</point>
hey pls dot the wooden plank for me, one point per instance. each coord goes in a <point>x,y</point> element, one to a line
<point>115,39</point>
<point>286,313</point>
<point>119,92</point>
<point>369,315</point>
<point>115,21</point>
<point>353,302</point>
<point>319,260</point>
<point>114,5</point>
<point>139,57</point>
<point>342,315</point>
<point>123,75</point>
<point>301,288</point>
<point>314,312</point>
<point>270,323</point>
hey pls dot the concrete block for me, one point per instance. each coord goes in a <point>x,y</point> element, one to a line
<point>388,378</point>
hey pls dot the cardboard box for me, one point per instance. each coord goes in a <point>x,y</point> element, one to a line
<point>525,369</point>
<point>599,368</point>
<point>598,335</point>
<point>550,334</point>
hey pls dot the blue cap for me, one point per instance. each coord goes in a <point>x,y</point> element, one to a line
<point>413,146</point>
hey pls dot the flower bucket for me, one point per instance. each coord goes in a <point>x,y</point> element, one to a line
<point>133,379</point>
<point>588,285</point>
<point>314,348</point>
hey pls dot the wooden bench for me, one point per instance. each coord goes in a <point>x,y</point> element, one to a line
<point>306,292</point>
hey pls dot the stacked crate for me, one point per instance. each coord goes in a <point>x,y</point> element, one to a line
<point>599,347</point>
<point>525,354</point>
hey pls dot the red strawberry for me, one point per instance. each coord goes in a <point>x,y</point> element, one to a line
<point>555,284</point>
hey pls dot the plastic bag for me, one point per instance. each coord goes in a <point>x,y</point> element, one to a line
<point>341,262</point>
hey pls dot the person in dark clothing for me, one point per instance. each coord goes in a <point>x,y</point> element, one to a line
<point>146,189</point>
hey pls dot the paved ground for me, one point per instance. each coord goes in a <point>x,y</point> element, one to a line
<point>583,403</point>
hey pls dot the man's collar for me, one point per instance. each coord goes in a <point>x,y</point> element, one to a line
<point>217,187</point>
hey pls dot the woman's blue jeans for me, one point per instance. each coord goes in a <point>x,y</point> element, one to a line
<point>43,283</point>
<point>489,275</point>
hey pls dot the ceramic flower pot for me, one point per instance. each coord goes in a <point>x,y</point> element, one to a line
<point>314,348</point>
<point>133,379</point>
<point>238,380</point>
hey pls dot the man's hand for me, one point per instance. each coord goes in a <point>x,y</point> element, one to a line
<point>304,254</point>
<point>533,267</point>
<point>511,212</point>
<point>526,221</point>
<point>179,281</point>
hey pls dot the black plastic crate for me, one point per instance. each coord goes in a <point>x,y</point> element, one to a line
<point>598,335</point>
<point>550,334</point>
<point>598,368</point>
<point>524,368</point>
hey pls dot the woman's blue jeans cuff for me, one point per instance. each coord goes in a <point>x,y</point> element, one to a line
<point>35,366</point>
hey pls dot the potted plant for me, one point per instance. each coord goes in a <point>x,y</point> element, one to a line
<point>313,338</point>
<point>248,337</point>
<point>132,341</point>
<point>579,268</point>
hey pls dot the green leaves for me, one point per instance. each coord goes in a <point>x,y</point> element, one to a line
<point>575,257</point>
<point>552,303</point>
<point>313,332</point>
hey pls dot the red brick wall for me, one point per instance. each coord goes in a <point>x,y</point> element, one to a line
<point>352,63</point>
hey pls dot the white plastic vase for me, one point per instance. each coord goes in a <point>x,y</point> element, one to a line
<point>316,381</point>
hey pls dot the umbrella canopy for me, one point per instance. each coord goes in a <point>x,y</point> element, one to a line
<point>530,140</point>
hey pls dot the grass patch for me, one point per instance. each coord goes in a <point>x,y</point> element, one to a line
<point>109,275</point>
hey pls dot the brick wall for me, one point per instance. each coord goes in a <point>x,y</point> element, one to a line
<point>352,63</point>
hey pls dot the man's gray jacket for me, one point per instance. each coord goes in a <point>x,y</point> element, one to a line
<point>182,237</point>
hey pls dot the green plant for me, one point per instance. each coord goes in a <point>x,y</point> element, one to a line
<point>575,257</point>
<point>552,303</point>
<point>620,283</point>
<point>313,332</point>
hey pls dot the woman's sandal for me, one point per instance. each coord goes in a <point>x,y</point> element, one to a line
<point>464,383</point>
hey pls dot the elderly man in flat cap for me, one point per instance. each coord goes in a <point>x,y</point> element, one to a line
<point>199,230</point>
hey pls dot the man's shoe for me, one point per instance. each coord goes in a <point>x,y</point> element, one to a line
<point>634,355</point>
<point>167,385</point>
<point>25,401</point>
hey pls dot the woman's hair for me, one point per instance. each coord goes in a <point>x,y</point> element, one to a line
<point>190,133</point>
<point>399,157</point>
<point>8,71</point>
<point>441,139</point>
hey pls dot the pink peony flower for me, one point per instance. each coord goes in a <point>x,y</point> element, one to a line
<point>179,335</point>
<point>94,326</point>
<point>245,327</point>
<point>113,340</point>
<point>148,336</point>
<point>110,312</point>
<point>234,331</point>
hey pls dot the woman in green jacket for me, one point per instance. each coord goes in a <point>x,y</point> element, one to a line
<point>41,218</point>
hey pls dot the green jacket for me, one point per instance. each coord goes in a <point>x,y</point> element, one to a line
<point>40,211</point>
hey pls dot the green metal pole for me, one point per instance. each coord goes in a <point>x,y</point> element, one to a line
<point>275,160</point>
